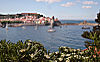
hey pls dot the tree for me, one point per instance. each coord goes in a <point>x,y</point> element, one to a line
<point>94,44</point>
<point>98,18</point>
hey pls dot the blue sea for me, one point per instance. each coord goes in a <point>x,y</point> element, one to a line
<point>77,21</point>
<point>69,35</point>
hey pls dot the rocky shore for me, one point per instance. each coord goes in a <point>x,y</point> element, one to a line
<point>82,23</point>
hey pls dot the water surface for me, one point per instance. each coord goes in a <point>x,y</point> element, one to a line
<point>64,36</point>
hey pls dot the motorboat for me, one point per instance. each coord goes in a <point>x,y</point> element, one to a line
<point>84,27</point>
<point>23,27</point>
<point>51,30</point>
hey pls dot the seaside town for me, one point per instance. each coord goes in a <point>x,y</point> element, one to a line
<point>34,19</point>
<point>49,31</point>
<point>27,18</point>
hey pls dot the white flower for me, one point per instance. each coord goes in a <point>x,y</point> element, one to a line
<point>74,50</point>
<point>32,55</point>
<point>29,43</point>
<point>86,57</point>
<point>66,50</point>
<point>47,56</point>
<point>60,59</point>
<point>69,57</point>
<point>62,55</point>
<point>81,52</point>
<point>67,60</point>
<point>73,53</point>
<point>55,61</point>
<point>64,47</point>
<point>67,54</point>
<point>75,56</point>
<point>78,56</point>
<point>83,57</point>
<point>56,52</point>
<point>30,40</point>
<point>70,50</point>
<point>22,50</point>
<point>23,56</point>
<point>79,49</point>
<point>50,53</point>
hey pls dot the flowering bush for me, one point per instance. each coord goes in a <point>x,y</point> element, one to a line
<point>32,51</point>
<point>21,52</point>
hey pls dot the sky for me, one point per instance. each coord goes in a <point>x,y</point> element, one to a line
<point>61,9</point>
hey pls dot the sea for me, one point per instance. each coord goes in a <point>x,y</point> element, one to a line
<point>67,35</point>
<point>77,21</point>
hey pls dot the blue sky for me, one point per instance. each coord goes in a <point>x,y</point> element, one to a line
<point>62,9</point>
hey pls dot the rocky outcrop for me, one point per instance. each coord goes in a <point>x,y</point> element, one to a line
<point>92,24</point>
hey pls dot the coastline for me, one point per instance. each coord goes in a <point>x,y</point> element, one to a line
<point>90,24</point>
<point>33,24</point>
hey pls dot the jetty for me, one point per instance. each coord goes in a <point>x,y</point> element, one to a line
<point>82,23</point>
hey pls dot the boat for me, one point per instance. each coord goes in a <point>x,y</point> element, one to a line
<point>3,25</point>
<point>51,29</point>
<point>23,27</point>
<point>6,27</point>
<point>84,27</point>
<point>36,27</point>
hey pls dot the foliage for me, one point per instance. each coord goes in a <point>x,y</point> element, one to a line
<point>66,54</point>
<point>32,51</point>
<point>98,18</point>
<point>21,52</point>
<point>94,44</point>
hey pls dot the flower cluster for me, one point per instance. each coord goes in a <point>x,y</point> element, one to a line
<point>32,51</point>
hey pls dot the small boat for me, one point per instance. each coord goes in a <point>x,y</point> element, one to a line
<point>36,27</point>
<point>85,27</point>
<point>51,26</point>
<point>3,25</point>
<point>51,30</point>
<point>23,27</point>
<point>6,27</point>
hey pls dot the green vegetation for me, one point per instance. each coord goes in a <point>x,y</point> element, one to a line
<point>94,45</point>
<point>32,51</point>
<point>98,18</point>
<point>21,52</point>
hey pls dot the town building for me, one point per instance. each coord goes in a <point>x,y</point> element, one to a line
<point>25,17</point>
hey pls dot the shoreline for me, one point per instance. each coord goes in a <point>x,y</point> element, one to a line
<point>90,24</point>
<point>32,24</point>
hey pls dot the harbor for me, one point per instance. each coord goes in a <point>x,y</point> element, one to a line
<point>62,37</point>
<point>49,31</point>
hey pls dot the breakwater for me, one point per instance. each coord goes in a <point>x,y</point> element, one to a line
<point>91,24</point>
